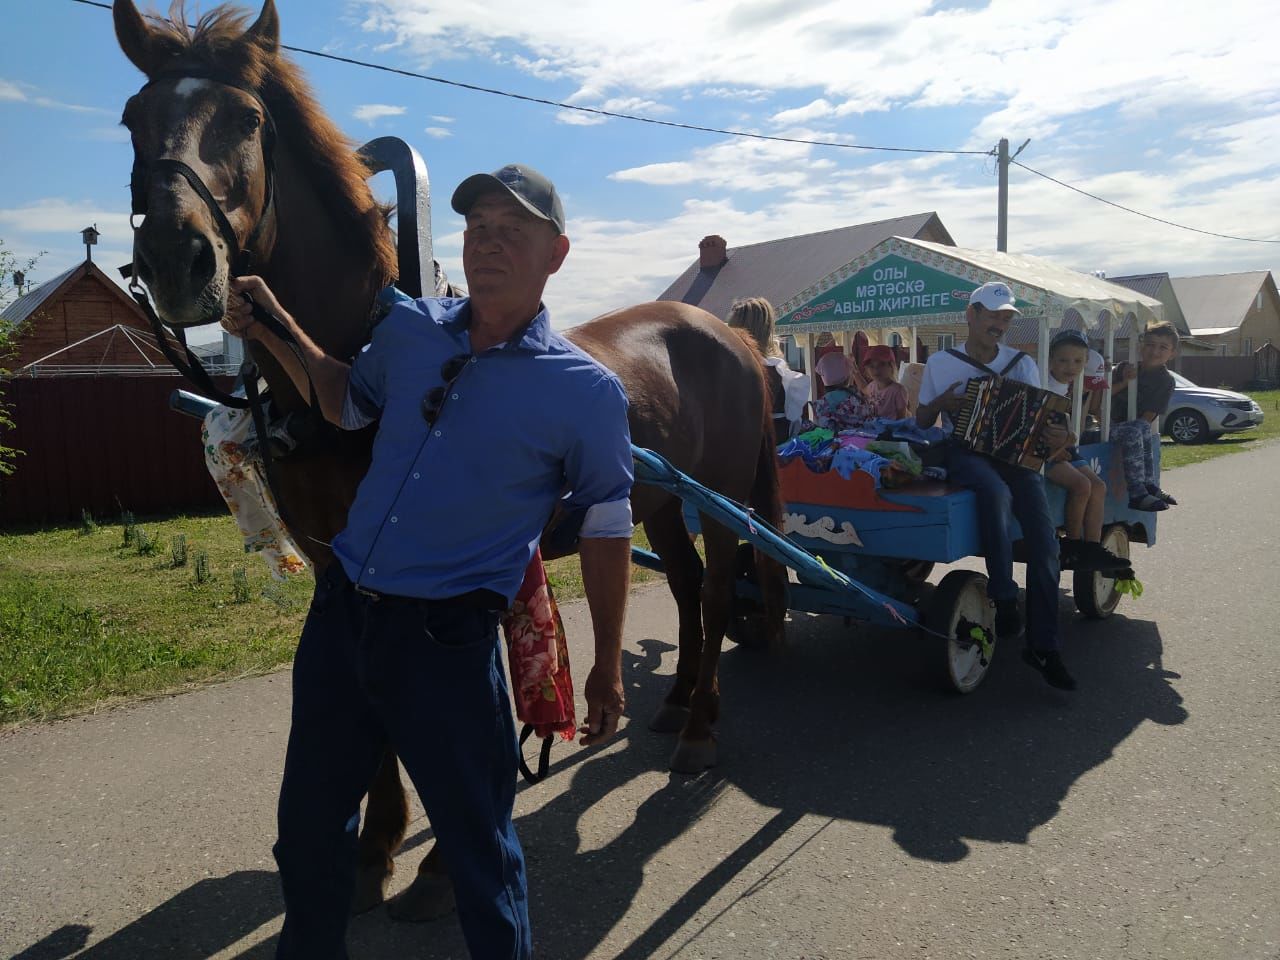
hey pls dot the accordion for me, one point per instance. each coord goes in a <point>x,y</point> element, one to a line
<point>1005,419</point>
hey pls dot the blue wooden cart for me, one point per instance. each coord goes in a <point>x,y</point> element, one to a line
<point>861,552</point>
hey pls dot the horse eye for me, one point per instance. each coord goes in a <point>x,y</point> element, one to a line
<point>251,122</point>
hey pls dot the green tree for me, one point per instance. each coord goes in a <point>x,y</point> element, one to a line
<point>9,265</point>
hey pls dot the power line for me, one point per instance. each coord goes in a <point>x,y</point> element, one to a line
<point>1120,206</point>
<point>595,110</point>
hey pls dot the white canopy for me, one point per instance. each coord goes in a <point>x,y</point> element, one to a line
<point>907,282</point>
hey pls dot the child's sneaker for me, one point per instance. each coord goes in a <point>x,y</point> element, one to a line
<point>1070,553</point>
<point>1094,556</point>
<point>1161,495</point>
<point>1148,503</point>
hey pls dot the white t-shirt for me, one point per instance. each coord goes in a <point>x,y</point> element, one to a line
<point>795,387</point>
<point>943,369</point>
<point>1093,378</point>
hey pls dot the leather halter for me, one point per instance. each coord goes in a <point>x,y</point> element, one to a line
<point>239,257</point>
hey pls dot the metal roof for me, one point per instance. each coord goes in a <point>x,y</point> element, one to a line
<point>1218,302</point>
<point>27,304</point>
<point>1145,283</point>
<point>779,269</point>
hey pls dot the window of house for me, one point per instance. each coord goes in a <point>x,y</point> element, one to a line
<point>946,341</point>
<point>895,340</point>
<point>1247,348</point>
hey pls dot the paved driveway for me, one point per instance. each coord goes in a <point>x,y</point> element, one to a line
<point>856,813</point>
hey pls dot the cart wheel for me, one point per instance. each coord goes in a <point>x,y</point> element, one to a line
<point>958,609</point>
<point>1095,593</point>
<point>917,571</point>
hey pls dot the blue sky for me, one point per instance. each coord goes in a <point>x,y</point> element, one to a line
<point>1169,107</point>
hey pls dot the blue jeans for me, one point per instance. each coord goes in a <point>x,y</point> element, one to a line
<point>1005,491</point>
<point>424,677</point>
<point>1136,442</point>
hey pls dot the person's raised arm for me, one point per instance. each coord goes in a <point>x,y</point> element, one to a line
<point>329,375</point>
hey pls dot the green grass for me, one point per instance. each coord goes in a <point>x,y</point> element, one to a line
<point>1177,455</point>
<point>86,619</point>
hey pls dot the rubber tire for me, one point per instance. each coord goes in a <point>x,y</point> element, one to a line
<point>1196,429</point>
<point>746,621</point>
<point>1095,593</point>
<point>961,591</point>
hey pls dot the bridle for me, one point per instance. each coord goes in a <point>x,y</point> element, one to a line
<point>239,256</point>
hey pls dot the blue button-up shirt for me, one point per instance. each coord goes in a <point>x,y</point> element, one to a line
<point>459,505</point>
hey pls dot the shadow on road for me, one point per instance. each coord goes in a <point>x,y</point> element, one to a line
<point>848,725</point>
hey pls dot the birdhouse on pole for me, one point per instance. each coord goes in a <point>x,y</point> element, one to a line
<point>90,237</point>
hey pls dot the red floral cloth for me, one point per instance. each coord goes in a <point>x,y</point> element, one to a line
<point>538,656</point>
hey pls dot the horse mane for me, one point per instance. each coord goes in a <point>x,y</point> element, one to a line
<point>215,47</point>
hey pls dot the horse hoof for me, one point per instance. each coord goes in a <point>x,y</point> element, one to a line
<point>694,756</point>
<point>371,887</point>
<point>429,897</point>
<point>669,719</point>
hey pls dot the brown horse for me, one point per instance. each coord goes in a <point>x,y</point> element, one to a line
<point>221,118</point>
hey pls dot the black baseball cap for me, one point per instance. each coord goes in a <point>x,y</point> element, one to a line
<point>531,190</point>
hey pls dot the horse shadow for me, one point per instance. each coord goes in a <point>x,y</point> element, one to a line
<point>847,727</point>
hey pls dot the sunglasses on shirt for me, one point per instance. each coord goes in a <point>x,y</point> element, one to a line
<point>433,402</point>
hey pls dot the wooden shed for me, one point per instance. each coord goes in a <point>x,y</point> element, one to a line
<point>87,391</point>
<point>80,322</point>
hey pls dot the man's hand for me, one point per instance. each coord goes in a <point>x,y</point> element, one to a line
<point>949,401</point>
<point>238,320</point>
<point>605,704</point>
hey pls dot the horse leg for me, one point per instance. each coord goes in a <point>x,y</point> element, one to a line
<point>429,896</point>
<point>696,749</point>
<point>385,821</point>
<point>670,540</point>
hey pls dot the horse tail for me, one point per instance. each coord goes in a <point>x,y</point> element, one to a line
<point>765,499</point>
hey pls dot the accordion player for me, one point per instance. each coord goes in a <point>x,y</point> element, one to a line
<point>1005,419</point>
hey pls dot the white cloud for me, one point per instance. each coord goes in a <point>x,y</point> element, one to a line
<point>438,132</point>
<point>576,118</point>
<point>14,93</point>
<point>58,215</point>
<point>372,112</point>
<point>439,119</point>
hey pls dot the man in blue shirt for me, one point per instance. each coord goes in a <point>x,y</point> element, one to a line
<point>488,420</point>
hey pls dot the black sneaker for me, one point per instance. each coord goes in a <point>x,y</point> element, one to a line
<point>1049,663</point>
<point>1072,553</point>
<point>1008,620</point>
<point>1161,495</point>
<point>1094,556</point>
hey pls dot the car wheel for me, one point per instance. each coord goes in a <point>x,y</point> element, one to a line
<point>1188,426</point>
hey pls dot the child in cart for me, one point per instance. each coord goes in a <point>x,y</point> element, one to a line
<point>1081,548</point>
<point>887,397</point>
<point>843,406</point>
<point>1137,438</point>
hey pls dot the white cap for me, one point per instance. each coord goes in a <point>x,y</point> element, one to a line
<point>994,296</point>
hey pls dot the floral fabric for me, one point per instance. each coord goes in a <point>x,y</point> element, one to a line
<point>231,454</point>
<point>538,656</point>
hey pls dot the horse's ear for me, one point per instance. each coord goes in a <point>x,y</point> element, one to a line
<point>134,36</point>
<point>265,31</point>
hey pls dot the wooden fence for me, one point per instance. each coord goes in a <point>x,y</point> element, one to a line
<point>1230,372</point>
<point>101,444</point>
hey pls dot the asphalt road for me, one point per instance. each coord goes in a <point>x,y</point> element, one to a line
<point>856,812</point>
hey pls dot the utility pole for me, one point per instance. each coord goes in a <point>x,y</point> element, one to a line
<point>1002,203</point>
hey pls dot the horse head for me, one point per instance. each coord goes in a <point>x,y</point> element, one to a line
<point>202,141</point>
